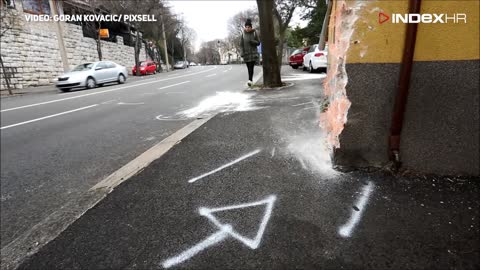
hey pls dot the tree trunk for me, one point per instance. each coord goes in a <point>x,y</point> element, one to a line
<point>99,44</point>
<point>281,40</point>
<point>271,68</point>
<point>137,53</point>
<point>5,77</point>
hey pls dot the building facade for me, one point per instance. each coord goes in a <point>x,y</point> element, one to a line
<point>438,108</point>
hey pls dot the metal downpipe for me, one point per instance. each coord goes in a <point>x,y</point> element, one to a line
<point>403,87</point>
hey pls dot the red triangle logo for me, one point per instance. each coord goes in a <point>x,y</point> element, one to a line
<point>382,17</point>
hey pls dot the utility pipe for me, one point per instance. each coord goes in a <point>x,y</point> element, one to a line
<point>403,86</point>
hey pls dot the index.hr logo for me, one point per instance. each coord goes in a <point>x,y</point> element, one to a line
<point>423,18</point>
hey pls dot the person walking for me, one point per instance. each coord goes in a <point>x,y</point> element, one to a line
<point>249,45</point>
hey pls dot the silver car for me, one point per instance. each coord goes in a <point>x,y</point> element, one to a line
<point>89,75</point>
<point>181,65</point>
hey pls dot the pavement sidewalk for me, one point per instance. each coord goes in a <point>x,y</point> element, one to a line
<point>252,189</point>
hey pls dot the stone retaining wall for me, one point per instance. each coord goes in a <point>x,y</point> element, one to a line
<point>32,57</point>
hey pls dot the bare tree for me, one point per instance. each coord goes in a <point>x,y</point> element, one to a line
<point>271,68</point>
<point>133,7</point>
<point>283,12</point>
<point>186,36</point>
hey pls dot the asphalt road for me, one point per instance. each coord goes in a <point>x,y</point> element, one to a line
<point>57,145</point>
<point>252,190</point>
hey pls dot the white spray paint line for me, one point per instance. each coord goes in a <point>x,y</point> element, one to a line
<point>225,166</point>
<point>187,254</point>
<point>104,91</point>
<point>168,86</point>
<point>225,230</point>
<point>301,104</point>
<point>346,229</point>
<point>273,152</point>
<point>49,116</point>
<point>210,75</point>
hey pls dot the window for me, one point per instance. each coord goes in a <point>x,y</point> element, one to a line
<point>36,6</point>
<point>102,65</point>
<point>110,64</point>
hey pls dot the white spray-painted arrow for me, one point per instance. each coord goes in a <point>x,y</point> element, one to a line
<point>225,230</point>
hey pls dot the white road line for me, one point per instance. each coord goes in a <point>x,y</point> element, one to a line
<point>168,86</point>
<point>105,91</point>
<point>346,229</point>
<point>211,75</point>
<point>50,116</point>
<point>225,166</point>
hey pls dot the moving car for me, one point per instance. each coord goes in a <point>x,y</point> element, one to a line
<point>146,67</point>
<point>180,65</point>
<point>315,59</point>
<point>296,58</point>
<point>89,75</point>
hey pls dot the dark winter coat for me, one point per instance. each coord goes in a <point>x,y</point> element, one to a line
<point>249,45</point>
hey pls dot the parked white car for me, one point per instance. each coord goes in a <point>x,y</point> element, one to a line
<point>89,75</point>
<point>315,59</point>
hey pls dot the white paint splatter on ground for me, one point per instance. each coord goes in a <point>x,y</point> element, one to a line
<point>222,102</point>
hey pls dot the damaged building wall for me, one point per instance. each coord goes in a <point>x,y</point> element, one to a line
<point>441,125</point>
<point>31,51</point>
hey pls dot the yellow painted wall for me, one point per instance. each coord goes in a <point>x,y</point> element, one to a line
<point>373,42</point>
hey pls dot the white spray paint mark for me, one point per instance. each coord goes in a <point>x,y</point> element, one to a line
<point>273,152</point>
<point>187,254</point>
<point>50,116</point>
<point>211,75</point>
<point>225,166</point>
<point>225,230</point>
<point>346,230</point>
<point>221,102</point>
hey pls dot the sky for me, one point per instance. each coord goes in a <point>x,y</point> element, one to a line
<point>209,19</point>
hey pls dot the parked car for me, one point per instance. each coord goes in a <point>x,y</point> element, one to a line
<point>296,58</point>
<point>315,59</point>
<point>146,67</point>
<point>89,75</point>
<point>192,64</point>
<point>180,65</point>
